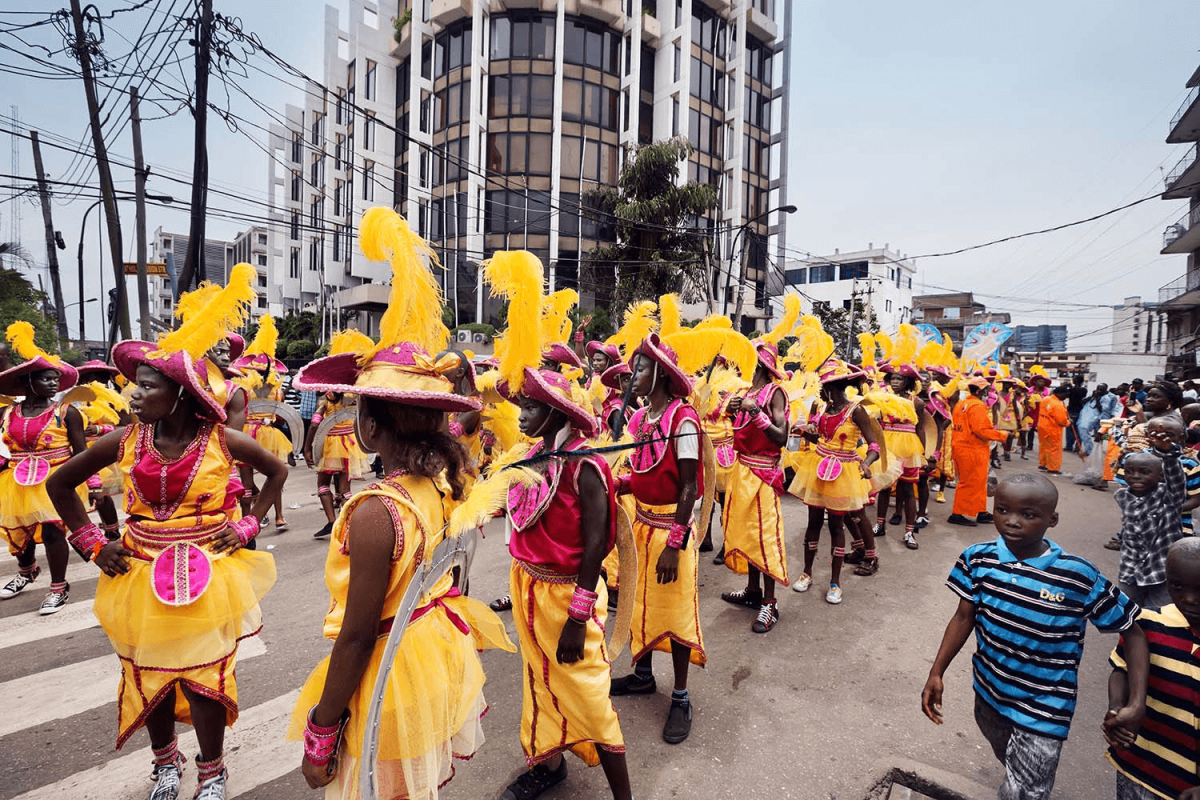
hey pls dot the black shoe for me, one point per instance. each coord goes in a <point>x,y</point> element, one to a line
<point>880,529</point>
<point>743,598</point>
<point>706,546</point>
<point>531,784</point>
<point>922,522</point>
<point>632,684</point>
<point>1008,456</point>
<point>894,519</point>
<point>1113,544</point>
<point>855,556</point>
<point>719,558</point>
<point>959,519</point>
<point>984,518</point>
<point>501,603</point>
<point>1043,469</point>
<point>679,722</point>
<point>613,596</point>
<point>325,531</point>
<point>910,541</point>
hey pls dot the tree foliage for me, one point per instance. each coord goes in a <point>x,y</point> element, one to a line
<point>20,301</point>
<point>656,251</point>
<point>837,323</point>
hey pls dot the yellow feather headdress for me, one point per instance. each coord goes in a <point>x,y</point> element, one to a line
<point>191,302</point>
<point>266,341</point>
<point>639,323</point>
<point>866,343</point>
<point>225,311</point>
<point>516,275</point>
<point>906,344</point>
<point>698,347</point>
<point>350,341</point>
<point>414,312</point>
<point>813,345</point>
<point>20,335</point>
<point>668,315</point>
<point>556,325</point>
<point>787,323</point>
<point>886,346</point>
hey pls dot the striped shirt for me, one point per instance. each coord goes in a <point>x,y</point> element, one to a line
<point>1163,759</point>
<point>1030,618</point>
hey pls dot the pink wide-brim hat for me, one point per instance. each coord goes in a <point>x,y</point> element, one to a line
<point>663,355</point>
<point>11,383</point>
<point>553,389</point>
<point>768,356</point>
<point>260,362</point>
<point>559,353</point>
<point>237,346</point>
<point>404,373</point>
<point>939,369</point>
<point>837,370</point>
<point>96,365</point>
<point>178,366</point>
<point>611,351</point>
<point>611,376</point>
<point>907,370</point>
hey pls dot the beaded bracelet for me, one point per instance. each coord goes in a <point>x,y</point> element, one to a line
<point>320,742</point>
<point>622,484</point>
<point>937,455</point>
<point>676,535</point>
<point>456,429</point>
<point>873,447</point>
<point>86,538</point>
<point>762,421</point>
<point>246,528</point>
<point>578,336</point>
<point>583,603</point>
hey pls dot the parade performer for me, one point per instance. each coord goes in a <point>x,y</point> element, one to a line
<point>562,527</point>
<point>972,437</point>
<point>40,436</point>
<point>1039,390</point>
<point>102,414</point>
<point>1008,412</point>
<point>752,522</point>
<point>262,382</point>
<point>179,591</point>
<point>601,358</point>
<point>433,700</point>
<point>835,478</point>
<point>1053,419</point>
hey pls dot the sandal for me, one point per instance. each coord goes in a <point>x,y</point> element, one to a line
<point>281,527</point>
<point>868,567</point>
<point>743,598</point>
<point>501,603</point>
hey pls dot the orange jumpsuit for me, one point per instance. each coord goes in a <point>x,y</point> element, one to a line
<point>1052,419</point>
<point>972,438</point>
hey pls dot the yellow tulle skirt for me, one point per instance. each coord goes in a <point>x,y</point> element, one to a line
<point>564,706</point>
<point>665,612</point>
<point>194,645</point>
<point>273,440</point>
<point>431,708</point>
<point>849,491</point>
<point>753,525</point>
<point>24,508</point>
<point>342,454</point>
<point>904,447</point>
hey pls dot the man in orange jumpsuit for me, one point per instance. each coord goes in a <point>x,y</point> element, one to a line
<point>972,439</point>
<point>1052,420</point>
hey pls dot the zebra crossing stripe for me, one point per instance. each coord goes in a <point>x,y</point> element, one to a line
<point>31,627</point>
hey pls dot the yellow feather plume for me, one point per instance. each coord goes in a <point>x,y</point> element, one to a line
<point>886,345</point>
<point>905,347</point>
<point>250,381</point>
<point>227,310</point>
<point>598,391</point>
<point>668,315</point>
<point>266,341</point>
<point>639,323</point>
<point>486,386</point>
<point>414,312</point>
<point>813,345</point>
<point>350,341</point>
<point>191,302</point>
<point>486,498</point>
<point>929,355</point>
<point>711,393</point>
<point>501,421</point>
<point>20,335</point>
<point>556,325</point>
<point>787,323</point>
<point>715,321</point>
<point>866,343</point>
<point>516,275</point>
<point>698,347</point>
<point>108,397</point>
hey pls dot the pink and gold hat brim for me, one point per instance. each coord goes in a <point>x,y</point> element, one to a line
<point>97,366</point>
<point>559,353</point>
<point>392,375</point>
<point>611,351</point>
<point>611,377</point>
<point>237,346</point>
<point>552,389</point>
<point>178,366</point>
<point>260,362</point>
<point>662,355</point>
<point>837,370</point>
<point>768,356</point>
<point>11,383</point>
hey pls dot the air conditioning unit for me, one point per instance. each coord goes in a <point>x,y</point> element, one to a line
<point>463,337</point>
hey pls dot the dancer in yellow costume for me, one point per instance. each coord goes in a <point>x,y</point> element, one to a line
<point>179,591</point>
<point>40,435</point>
<point>434,700</point>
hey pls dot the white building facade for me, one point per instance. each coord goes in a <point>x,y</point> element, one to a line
<point>1139,327</point>
<point>879,278</point>
<point>501,117</point>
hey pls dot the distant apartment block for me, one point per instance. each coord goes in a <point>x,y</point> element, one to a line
<point>878,277</point>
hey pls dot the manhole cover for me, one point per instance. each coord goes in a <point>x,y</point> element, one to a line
<point>899,792</point>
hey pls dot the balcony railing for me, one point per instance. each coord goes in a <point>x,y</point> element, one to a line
<point>1183,166</point>
<point>1183,109</point>
<point>1181,285</point>
<point>1175,232</point>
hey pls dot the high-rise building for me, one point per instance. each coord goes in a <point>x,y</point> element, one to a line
<point>1038,338</point>
<point>1138,327</point>
<point>487,124</point>
<point>877,277</point>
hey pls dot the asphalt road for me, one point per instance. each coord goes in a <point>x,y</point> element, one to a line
<point>811,710</point>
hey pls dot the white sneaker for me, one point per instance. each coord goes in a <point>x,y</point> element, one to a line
<point>213,788</point>
<point>166,781</point>
<point>802,583</point>
<point>17,585</point>
<point>834,595</point>
<point>54,602</point>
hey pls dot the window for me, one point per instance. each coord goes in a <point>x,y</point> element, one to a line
<point>337,243</point>
<point>678,60</point>
<point>795,277</point>
<point>647,69</point>
<point>852,271</point>
<point>592,44</point>
<point>318,127</point>
<point>520,153</point>
<point>950,313</point>
<point>368,189</point>
<point>315,254</point>
<point>370,17</point>
<point>369,132</point>
<point>517,212</point>
<point>294,264</point>
<point>338,188</point>
<point>369,80</point>
<point>452,49</point>
<point>316,216</point>
<point>296,184</point>
<point>521,35</point>
<point>262,262</point>
<point>295,226</point>
<point>887,305</point>
<point>820,274</point>
<point>339,151</point>
<point>297,146</point>
<point>318,170</point>
<point>262,238</point>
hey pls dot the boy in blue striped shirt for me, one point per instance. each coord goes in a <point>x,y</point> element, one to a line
<point>1028,603</point>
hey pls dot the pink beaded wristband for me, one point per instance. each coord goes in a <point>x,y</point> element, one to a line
<point>456,429</point>
<point>317,419</point>
<point>762,421</point>
<point>622,484</point>
<point>320,742</point>
<point>583,603</point>
<point>86,538</point>
<point>246,528</point>
<point>676,535</point>
<point>873,447</point>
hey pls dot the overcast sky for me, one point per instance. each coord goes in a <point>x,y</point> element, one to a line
<point>928,125</point>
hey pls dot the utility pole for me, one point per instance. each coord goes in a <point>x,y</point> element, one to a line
<point>109,196</point>
<point>194,269</point>
<point>850,326</point>
<point>139,174</point>
<point>741,289</point>
<point>60,311</point>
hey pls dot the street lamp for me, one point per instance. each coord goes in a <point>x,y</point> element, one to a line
<point>741,292</point>
<point>160,198</point>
